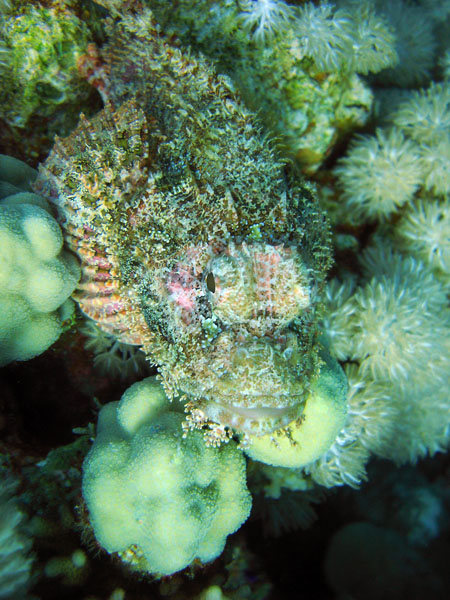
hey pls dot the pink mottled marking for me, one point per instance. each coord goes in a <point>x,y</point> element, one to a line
<point>266,267</point>
<point>98,261</point>
<point>182,287</point>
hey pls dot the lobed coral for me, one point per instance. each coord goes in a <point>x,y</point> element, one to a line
<point>182,499</point>
<point>311,436</point>
<point>36,275</point>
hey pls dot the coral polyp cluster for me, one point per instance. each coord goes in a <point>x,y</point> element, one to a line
<point>424,231</point>
<point>394,329</point>
<point>379,174</point>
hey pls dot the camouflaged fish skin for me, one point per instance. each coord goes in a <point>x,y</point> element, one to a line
<point>196,241</point>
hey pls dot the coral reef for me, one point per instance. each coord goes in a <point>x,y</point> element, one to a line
<point>360,553</point>
<point>400,515</point>
<point>407,501</point>
<point>40,49</point>
<point>196,140</point>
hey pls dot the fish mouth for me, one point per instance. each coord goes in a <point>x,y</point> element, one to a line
<point>258,412</point>
<point>254,384</point>
<point>257,420</point>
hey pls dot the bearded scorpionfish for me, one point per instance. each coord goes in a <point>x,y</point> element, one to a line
<point>196,242</point>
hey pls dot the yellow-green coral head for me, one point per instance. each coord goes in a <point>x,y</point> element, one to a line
<point>309,437</point>
<point>158,499</point>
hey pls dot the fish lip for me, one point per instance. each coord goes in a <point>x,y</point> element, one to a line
<point>258,412</point>
<point>252,420</point>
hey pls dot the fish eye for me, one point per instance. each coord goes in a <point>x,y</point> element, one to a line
<point>210,282</point>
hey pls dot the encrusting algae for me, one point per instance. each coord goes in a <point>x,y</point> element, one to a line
<point>196,242</point>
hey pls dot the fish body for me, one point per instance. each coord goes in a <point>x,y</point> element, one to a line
<point>196,242</point>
